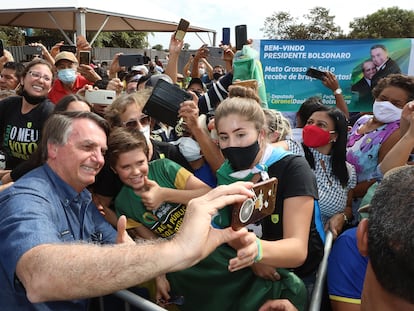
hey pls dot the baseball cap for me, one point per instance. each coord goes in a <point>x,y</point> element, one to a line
<point>196,81</point>
<point>67,56</point>
<point>141,68</point>
<point>152,81</point>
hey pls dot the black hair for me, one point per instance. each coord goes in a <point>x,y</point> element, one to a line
<point>308,107</point>
<point>17,67</point>
<point>338,152</point>
<point>63,103</point>
<point>390,234</point>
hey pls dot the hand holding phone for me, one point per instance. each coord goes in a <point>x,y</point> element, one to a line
<point>32,50</point>
<point>68,48</point>
<point>100,97</point>
<point>253,209</point>
<point>181,29</point>
<point>129,60</point>
<point>165,101</point>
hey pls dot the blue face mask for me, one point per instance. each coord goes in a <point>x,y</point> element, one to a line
<point>67,76</point>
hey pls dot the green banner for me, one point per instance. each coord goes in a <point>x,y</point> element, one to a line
<point>285,63</point>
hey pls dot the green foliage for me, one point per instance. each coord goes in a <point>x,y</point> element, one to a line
<point>131,39</point>
<point>385,23</point>
<point>12,36</point>
<point>318,25</point>
<point>158,47</point>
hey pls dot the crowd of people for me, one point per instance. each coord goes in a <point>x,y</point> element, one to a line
<point>99,197</point>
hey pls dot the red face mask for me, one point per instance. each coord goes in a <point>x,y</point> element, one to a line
<point>314,136</point>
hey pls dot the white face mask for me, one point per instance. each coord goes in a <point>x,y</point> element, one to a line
<point>146,131</point>
<point>386,112</point>
<point>189,148</point>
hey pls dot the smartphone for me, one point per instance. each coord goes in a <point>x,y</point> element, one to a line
<point>182,29</point>
<point>129,60</point>
<point>165,101</point>
<point>314,73</point>
<point>1,48</point>
<point>225,36</point>
<point>101,97</point>
<point>85,57</point>
<point>69,48</point>
<point>241,36</point>
<point>32,50</point>
<point>253,209</point>
<point>215,52</point>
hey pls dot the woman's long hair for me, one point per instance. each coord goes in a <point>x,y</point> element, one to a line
<point>338,152</point>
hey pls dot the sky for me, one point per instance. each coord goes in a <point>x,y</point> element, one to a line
<point>217,14</point>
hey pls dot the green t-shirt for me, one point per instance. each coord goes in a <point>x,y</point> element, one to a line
<point>166,220</point>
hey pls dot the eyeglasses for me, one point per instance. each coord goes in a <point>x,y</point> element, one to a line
<point>37,75</point>
<point>144,120</point>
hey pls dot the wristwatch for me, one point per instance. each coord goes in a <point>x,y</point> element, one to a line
<point>345,218</point>
<point>338,91</point>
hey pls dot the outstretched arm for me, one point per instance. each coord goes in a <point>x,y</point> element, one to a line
<point>332,83</point>
<point>400,152</point>
<point>71,271</point>
<point>172,66</point>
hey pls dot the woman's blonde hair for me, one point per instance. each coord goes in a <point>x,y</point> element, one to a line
<point>276,122</point>
<point>242,101</point>
<point>121,103</point>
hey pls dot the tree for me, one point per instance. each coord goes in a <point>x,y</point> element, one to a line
<point>158,47</point>
<point>12,36</point>
<point>130,39</point>
<point>319,26</point>
<point>385,23</point>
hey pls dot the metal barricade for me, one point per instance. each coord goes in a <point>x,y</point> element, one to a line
<point>319,287</point>
<point>137,301</point>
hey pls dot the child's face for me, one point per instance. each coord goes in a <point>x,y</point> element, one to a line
<point>132,167</point>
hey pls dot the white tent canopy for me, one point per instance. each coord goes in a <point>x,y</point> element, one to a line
<point>83,19</point>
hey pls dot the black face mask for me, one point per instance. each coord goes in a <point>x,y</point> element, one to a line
<point>217,75</point>
<point>33,100</point>
<point>241,158</point>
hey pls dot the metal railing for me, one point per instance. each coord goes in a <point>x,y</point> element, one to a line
<point>137,301</point>
<point>319,287</point>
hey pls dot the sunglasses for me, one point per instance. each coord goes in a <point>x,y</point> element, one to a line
<point>143,120</point>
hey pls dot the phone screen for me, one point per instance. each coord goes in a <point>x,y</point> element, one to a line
<point>181,29</point>
<point>226,36</point>
<point>129,60</point>
<point>32,50</point>
<point>241,36</point>
<point>314,73</point>
<point>69,48</point>
<point>85,57</point>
